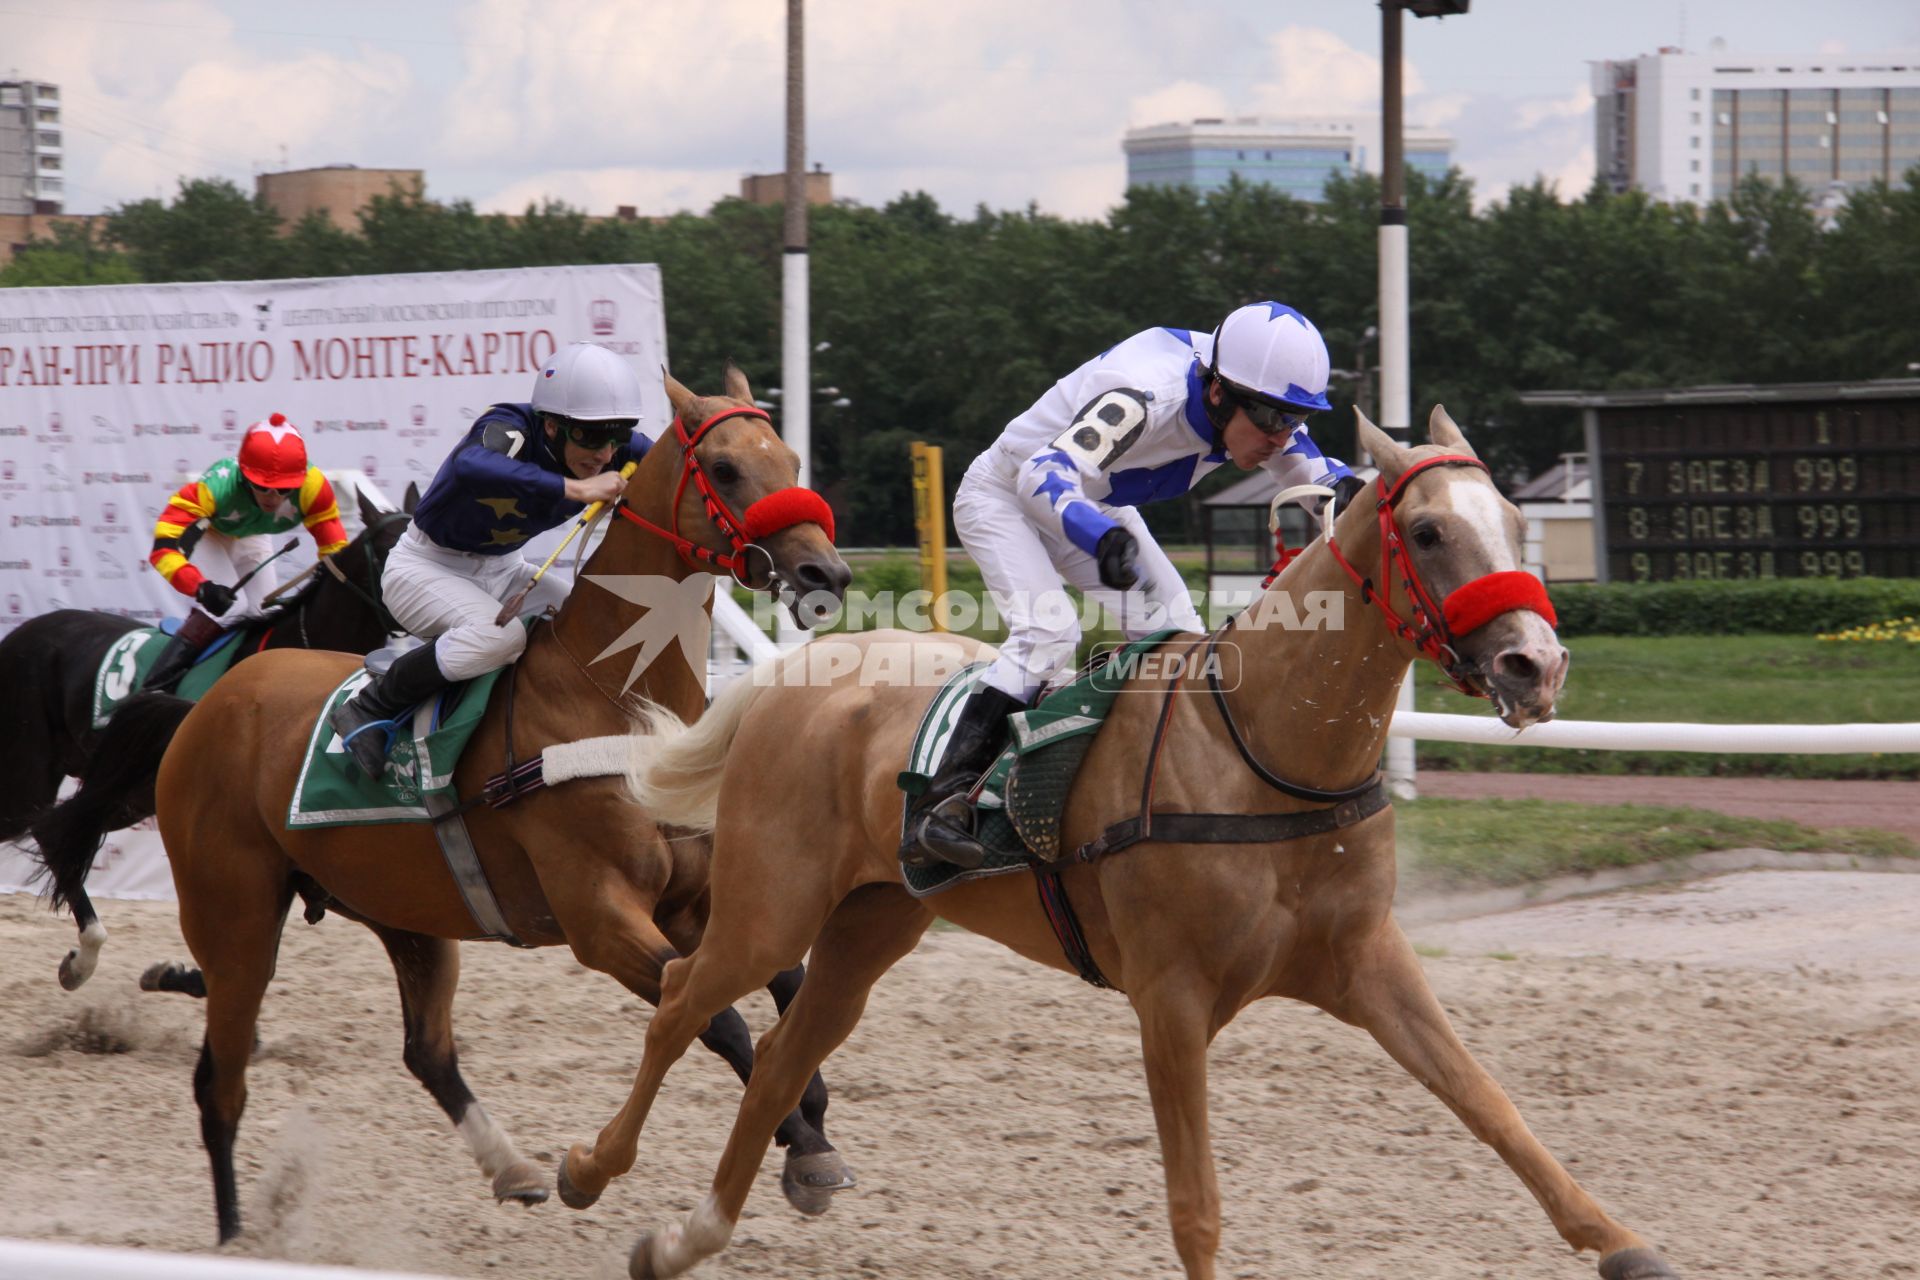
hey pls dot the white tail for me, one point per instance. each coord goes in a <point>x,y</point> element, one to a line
<point>674,768</point>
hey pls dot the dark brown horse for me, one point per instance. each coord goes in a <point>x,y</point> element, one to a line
<point>1192,929</point>
<point>46,716</point>
<point>578,864</point>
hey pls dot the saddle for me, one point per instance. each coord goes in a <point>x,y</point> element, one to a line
<point>1022,797</point>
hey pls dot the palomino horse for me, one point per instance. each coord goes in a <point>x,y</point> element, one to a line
<point>46,716</point>
<point>1191,929</point>
<point>579,864</point>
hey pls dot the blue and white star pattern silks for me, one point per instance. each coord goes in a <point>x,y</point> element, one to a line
<point>1130,427</point>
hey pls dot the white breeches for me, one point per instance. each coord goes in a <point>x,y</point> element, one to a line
<point>453,596</point>
<point>227,560</point>
<point>1024,568</point>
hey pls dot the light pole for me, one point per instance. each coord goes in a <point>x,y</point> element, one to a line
<point>1395,364</point>
<point>795,424</point>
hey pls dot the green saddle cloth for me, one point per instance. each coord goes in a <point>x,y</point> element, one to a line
<point>127,661</point>
<point>332,792</point>
<point>1024,794</point>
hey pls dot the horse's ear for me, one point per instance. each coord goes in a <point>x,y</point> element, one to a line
<point>369,514</point>
<point>734,383</point>
<point>1391,458</point>
<point>412,500</point>
<point>1443,430</point>
<point>678,396</point>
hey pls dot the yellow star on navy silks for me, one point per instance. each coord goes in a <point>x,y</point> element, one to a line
<point>675,611</point>
<point>503,508</point>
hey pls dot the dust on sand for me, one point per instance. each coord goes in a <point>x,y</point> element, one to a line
<point>1734,1077</point>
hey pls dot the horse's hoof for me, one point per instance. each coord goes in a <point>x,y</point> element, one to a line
<point>1635,1264</point>
<point>163,975</point>
<point>570,1195</point>
<point>70,974</point>
<point>810,1181</point>
<point>640,1261</point>
<point>522,1184</point>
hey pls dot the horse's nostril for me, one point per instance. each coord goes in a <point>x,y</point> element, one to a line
<point>811,575</point>
<point>1514,665</point>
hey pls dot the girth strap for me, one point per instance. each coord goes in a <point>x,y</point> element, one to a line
<point>1235,828</point>
<point>1356,804</point>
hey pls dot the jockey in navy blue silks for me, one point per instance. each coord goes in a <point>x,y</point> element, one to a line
<point>520,470</point>
<point>1054,498</point>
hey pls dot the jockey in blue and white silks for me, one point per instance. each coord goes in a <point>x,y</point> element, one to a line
<point>1053,500</point>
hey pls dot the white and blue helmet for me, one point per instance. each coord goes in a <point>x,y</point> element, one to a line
<point>1273,352</point>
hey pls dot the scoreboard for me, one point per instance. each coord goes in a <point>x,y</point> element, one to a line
<point>1775,488</point>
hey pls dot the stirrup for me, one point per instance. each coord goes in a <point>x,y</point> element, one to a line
<point>361,753</point>
<point>956,846</point>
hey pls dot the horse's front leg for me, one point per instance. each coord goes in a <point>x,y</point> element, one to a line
<point>1388,995</point>
<point>78,964</point>
<point>1174,1011</point>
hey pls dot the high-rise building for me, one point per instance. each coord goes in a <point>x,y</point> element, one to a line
<point>1688,127</point>
<point>30,148</point>
<point>1296,155</point>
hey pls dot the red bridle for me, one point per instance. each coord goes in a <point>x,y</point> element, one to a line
<point>1466,609</point>
<point>779,510</point>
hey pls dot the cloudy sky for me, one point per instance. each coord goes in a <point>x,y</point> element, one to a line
<point>664,104</point>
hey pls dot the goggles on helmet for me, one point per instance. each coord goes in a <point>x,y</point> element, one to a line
<point>1270,418</point>
<point>595,436</point>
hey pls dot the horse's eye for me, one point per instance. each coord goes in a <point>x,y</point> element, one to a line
<point>1427,538</point>
<point>725,472</point>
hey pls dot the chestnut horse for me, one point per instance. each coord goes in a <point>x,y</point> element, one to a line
<point>1191,929</point>
<point>579,864</point>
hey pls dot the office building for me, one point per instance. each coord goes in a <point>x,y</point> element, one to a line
<point>1295,155</point>
<point>1688,127</point>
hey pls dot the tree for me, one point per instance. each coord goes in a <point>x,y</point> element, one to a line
<point>211,231</point>
<point>75,255</point>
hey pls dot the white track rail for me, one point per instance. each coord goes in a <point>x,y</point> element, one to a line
<point>1748,739</point>
<point>20,1260</point>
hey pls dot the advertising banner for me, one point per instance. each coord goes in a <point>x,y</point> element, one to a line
<point>112,397</point>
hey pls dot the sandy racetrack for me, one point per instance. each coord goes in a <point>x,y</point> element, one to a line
<point>1755,1120</point>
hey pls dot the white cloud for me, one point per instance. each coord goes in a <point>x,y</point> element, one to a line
<point>1576,105</point>
<point>1180,101</point>
<point>650,191</point>
<point>1319,74</point>
<point>165,89</point>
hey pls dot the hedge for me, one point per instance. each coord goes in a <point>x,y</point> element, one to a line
<point>1770,606</point>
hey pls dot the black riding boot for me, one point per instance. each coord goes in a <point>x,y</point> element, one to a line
<point>197,631</point>
<point>364,721</point>
<point>941,824</point>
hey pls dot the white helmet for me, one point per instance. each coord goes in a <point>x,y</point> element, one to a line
<point>1274,352</point>
<point>587,383</point>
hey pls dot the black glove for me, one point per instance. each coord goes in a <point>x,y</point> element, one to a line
<point>1344,490</point>
<point>215,597</point>
<point>1116,551</point>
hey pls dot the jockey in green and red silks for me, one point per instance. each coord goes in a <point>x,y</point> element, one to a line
<point>268,488</point>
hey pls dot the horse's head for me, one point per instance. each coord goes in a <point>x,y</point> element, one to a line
<point>751,507</point>
<point>1463,541</point>
<point>365,558</point>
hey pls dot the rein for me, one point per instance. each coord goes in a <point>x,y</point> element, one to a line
<point>1434,627</point>
<point>779,510</point>
<point>1433,630</point>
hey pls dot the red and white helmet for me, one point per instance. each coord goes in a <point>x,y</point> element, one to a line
<point>273,455</point>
